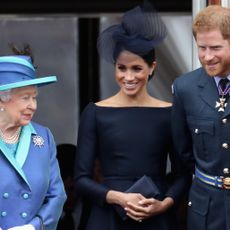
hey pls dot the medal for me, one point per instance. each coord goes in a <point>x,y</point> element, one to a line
<point>224,94</point>
<point>221,105</point>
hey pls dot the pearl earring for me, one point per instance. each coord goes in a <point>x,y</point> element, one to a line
<point>2,109</point>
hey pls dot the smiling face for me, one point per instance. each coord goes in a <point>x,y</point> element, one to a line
<point>214,52</point>
<point>19,110</point>
<point>132,73</point>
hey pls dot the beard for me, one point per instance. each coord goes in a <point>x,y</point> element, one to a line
<point>211,72</point>
<point>220,69</point>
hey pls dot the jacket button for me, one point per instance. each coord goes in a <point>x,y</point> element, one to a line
<point>190,203</point>
<point>224,121</point>
<point>24,215</point>
<point>226,170</point>
<point>25,196</point>
<point>3,213</point>
<point>5,195</point>
<point>196,131</point>
<point>225,145</point>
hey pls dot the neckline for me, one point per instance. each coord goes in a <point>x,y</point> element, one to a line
<point>130,107</point>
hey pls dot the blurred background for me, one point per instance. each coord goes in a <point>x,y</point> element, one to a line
<point>63,39</point>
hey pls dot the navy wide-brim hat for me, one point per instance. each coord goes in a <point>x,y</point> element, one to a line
<point>18,71</point>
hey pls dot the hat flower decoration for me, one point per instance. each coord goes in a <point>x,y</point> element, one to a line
<point>141,30</point>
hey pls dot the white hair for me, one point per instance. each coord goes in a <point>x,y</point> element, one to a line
<point>5,95</point>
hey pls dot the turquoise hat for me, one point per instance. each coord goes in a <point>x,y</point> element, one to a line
<point>18,71</point>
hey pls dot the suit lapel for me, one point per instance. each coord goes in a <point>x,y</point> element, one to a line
<point>227,109</point>
<point>12,160</point>
<point>22,151</point>
<point>24,145</point>
<point>208,92</point>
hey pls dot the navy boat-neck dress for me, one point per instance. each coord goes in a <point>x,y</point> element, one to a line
<point>129,142</point>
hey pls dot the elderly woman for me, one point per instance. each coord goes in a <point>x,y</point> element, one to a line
<point>130,134</point>
<point>32,192</point>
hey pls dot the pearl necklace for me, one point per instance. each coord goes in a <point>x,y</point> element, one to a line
<point>12,139</point>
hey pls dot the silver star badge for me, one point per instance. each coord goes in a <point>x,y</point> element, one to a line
<point>38,141</point>
<point>221,105</point>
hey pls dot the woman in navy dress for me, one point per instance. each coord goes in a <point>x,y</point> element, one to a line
<point>130,134</point>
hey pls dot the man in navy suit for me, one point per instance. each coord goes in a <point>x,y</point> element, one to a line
<point>201,122</point>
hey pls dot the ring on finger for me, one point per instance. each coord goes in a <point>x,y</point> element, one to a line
<point>140,220</point>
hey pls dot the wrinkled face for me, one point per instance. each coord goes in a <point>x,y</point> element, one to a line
<point>214,53</point>
<point>21,107</point>
<point>132,73</point>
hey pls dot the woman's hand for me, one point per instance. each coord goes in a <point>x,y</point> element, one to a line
<point>122,199</point>
<point>146,208</point>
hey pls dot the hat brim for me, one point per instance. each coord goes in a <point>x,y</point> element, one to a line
<point>38,81</point>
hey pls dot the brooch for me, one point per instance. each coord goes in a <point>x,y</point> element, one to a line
<point>38,141</point>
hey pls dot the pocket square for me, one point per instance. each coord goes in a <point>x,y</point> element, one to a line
<point>145,186</point>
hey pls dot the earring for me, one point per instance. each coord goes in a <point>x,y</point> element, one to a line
<point>2,109</point>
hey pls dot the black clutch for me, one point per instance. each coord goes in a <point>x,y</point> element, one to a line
<point>145,186</point>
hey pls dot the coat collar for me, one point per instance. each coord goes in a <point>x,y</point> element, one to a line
<point>208,92</point>
<point>22,150</point>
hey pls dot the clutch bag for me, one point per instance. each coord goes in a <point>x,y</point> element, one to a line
<point>145,186</point>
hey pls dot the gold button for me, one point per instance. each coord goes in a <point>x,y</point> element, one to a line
<point>224,121</point>
<point>190,203</point>
<point>226,170</point>
<point>225,145</point>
